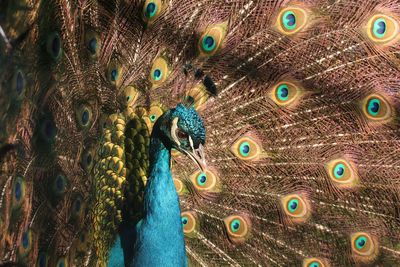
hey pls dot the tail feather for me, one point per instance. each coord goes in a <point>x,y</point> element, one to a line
<point>302,127</point>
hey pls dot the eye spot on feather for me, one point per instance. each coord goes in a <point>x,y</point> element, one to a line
<point>237,227</point>
<point>77,207</point>
<point>199,94</point>
<point>62,262</point>
<point>364,246</point>
<point>54,46</point>
<point>87,157</point>
<point>154,113</point>
<point>18,192</point>
<point>25,243</point>
<point>285,93</point>
<point>314,262</point>
<point>92,45</point>
<point>376,108</point>
<point>382,29</point>
<point>205,181</point>
<point>60,185</point>
<point>42,260</point>
<point>208,43</point>
<point>159,72</point>
<point>18,83</point>
<point>48,130</point>
<point>246,148</point>
<point>296,207</point>
<point>282,92</point>
<point>130,95</point>
<point>342,172</point>
<point>201,179</point>
<point>92,42</point>
<point>152,10</point>
<point>114,73</point>
<point>83,242</point>
<point>84,116</point>
<point>189,223</point>
<point>291,20</point>
<point>211,39</point>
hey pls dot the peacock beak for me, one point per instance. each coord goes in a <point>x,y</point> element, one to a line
<point>197,155</point>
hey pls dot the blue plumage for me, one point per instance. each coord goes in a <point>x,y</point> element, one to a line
<point>158,240</point>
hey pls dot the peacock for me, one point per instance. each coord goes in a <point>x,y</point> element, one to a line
<point>199,133</point>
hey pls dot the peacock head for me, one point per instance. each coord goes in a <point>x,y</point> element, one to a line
<point>183,129</point>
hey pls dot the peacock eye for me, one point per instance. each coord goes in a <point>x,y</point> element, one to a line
<point>295,206</point>
<point>77,205</point>
<point>211,39</point>
<point>376,108</point>
<point>201,179</point>
<point>26,243</point>
<point>131,95</point>
<point>159,71</point>
<point>182,135</point>
<point>338,171</point>
<point>92,45</point>
<point>189,223</point>
<point>19,82</point>
<point>199,94</point>
<point>157,74</point>
<point>18,192</point>
<point>114,73</point>
<point>84,116</point>
<point>92,41</point>
<point>292,205</point>
<point>42,260</point>
<point>62,262</point>
<point>60,185</point>
<point>208,43</point>
<point>205,181</point>
<point>282,92</point>
<point>341,172</point>
<point>48,130</point>
<point>54,46</point>
<point>382,28</point>
<point>237,227</point>
<point>152,10</point>
<point>363,244</point>
<point>291,20</point>
<point>285,93</point>
<point>153,118</point>
<point>246,148</point>
<point>313,262</point>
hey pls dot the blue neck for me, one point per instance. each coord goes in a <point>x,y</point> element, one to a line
<point>160,190</point>
<point>160,240</point>
<point>157,240</point>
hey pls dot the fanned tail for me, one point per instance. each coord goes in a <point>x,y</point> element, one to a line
<point>302,135</point>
